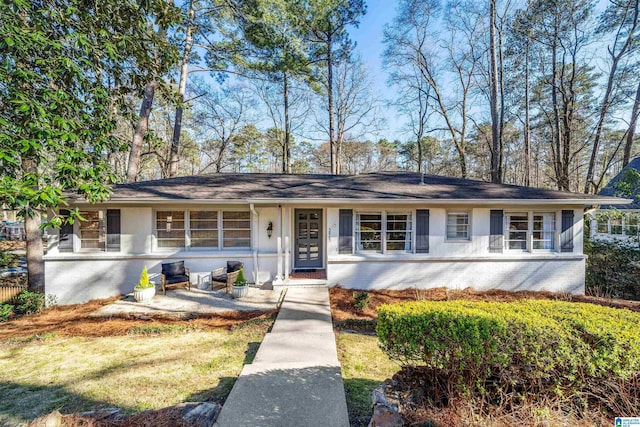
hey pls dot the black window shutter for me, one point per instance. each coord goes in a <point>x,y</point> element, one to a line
<point>566,238</point>
<point>496,231</point>
<point>345,240</point>
<point>113,230</point>
<point>422,231</point>
<point>65,241</point>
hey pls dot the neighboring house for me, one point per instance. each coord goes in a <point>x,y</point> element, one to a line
<point>619,221</point>
<point>368,231</point>
<point>14,231</point>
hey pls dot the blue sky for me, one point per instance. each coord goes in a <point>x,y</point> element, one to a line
<point>369,36</point>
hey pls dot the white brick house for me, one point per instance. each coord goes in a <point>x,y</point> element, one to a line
<point>369,231</point>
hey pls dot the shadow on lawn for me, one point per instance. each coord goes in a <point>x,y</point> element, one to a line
<point>21,403</point>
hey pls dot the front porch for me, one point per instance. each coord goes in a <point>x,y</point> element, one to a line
<point>183,303</point>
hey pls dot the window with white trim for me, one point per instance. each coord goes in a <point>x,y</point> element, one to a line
<point>383,232</point>
<point>544,231</point>
<point>530,231</point>
<point>203,229</point>
<point>203,226</point>
<point>517,231</point>
<point>170,229</point>
<point>369,232</point>
<point>96,230</point>
<point>398,233</point>
<point>458,226</point>
<point>92,231</point>
<point>236,230</point>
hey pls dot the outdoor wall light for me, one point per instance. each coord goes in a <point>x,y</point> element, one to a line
<point>270,229</point>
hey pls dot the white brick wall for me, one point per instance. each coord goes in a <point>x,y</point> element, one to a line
<point>560,274</point>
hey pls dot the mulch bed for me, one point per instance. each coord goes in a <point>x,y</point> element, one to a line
<point>12,245</point>
<point>343,308</point>
<point>75,320</point>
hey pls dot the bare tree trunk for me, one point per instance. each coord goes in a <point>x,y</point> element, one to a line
<point>140,131</point>
<point>35,250</point>
<point>606,100</point>
<point>527,124</point>
<point>174,157</point>
<point>332,143</point>
<point>604,108</point>
<point>556,117</point>
<point>496,176</point>
<point>631,133</point>
<point>286,149</point>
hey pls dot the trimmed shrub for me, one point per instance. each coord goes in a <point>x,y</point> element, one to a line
<point>613,269</point>
<point>6,311</point>
<point>361,300</point>
<point>28,302</point>
<point>524,349</point>
<point>8,259</point>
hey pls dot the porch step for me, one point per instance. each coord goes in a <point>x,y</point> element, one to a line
<point>301,283</point>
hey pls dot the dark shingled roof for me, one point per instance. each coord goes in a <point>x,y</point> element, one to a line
<point>610,189</point>
<point>371,186</point>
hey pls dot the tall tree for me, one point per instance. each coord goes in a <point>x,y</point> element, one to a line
<point>275,51</point>
<point>631,132</point>
<point>327,23</point>
<point>494,82</point>
<point>189,29</point>
<point>623,19</point>
<point>59,60</point>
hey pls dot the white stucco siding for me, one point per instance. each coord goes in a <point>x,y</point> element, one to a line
<point>565,275</point>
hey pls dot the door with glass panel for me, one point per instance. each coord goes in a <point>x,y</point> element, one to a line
<point>308,238</point>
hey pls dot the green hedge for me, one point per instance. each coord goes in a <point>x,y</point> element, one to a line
<point>613,269</point>
<point>529,347</point>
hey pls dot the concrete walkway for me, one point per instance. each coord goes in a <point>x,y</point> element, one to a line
<point>295,379</point>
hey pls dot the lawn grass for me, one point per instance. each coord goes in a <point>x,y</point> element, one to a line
<point>364,367</point>
<point>146,370</point>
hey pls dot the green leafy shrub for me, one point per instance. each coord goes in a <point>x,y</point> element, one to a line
<point>8,259</point>
<point>613,269</point>
<point>361,300</point>
<point>6,311</point>
<point>524,349</point>
<point>144,282</point>
<point>240,280</point>
<point>28,303</point>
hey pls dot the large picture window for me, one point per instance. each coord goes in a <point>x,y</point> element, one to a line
<point>204,229</point>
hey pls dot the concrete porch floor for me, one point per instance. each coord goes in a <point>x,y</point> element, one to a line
<point>184,302</point>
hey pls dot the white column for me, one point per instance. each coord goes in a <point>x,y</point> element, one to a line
<point>279,272</point>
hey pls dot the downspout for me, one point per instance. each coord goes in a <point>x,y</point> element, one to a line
<point>256,243</point>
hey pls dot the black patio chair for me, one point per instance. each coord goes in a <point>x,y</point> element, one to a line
<point>226,276</point>
<point>175,274</point>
